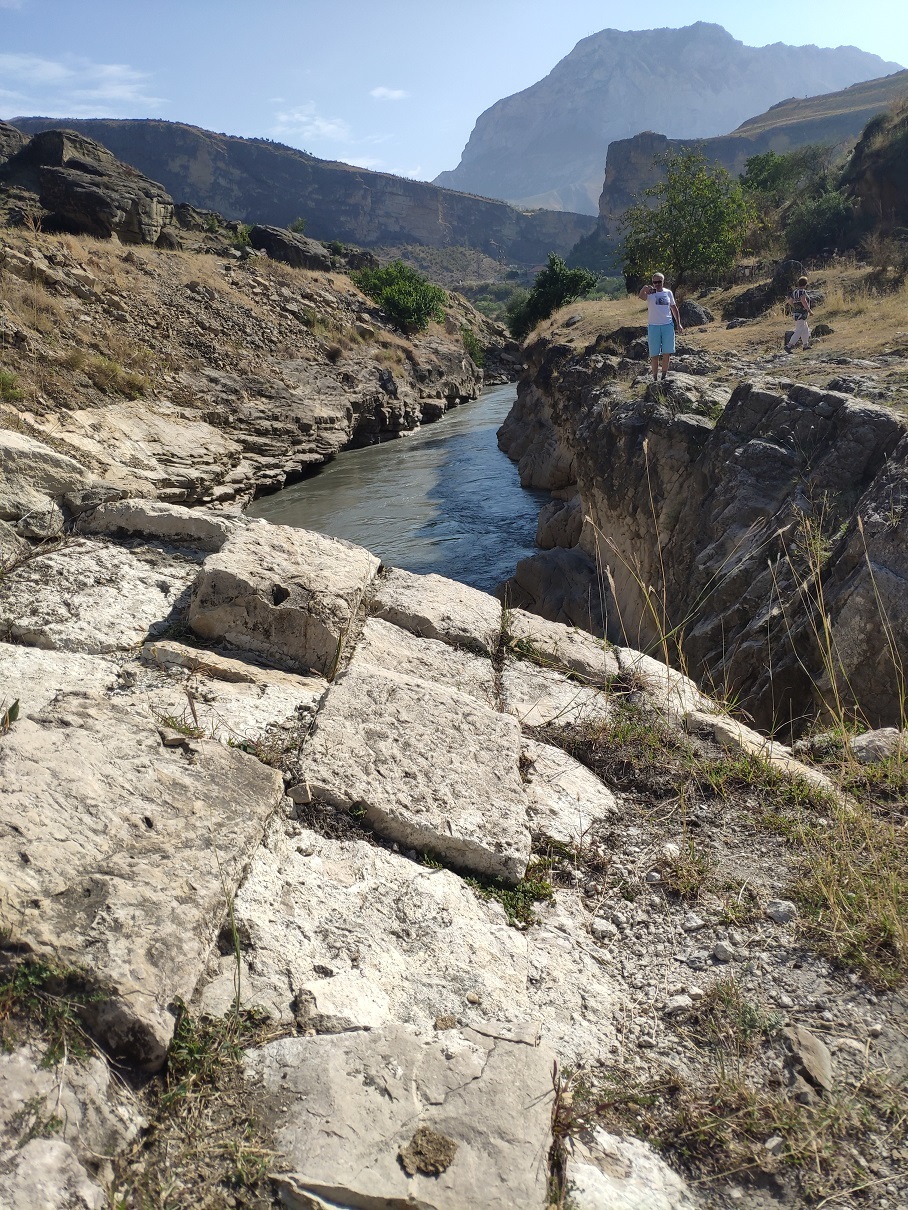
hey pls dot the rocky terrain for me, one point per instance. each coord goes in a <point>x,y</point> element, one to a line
<point>313,837</point>
<point>834,120</point>
<point>258,181</point>
<point>748,524</point>
<point>546,145</point>
<point>328,885</point>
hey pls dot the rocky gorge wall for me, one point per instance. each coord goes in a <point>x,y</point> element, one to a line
<point>762,529</point>
<point>263,182</point>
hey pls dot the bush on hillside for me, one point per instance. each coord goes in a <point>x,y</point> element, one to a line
<point>817,223</point>
<point>554,287</point>
<point>408,299</point>
<point>691,225</point>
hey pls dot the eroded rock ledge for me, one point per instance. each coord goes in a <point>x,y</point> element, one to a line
<point>764,528</point>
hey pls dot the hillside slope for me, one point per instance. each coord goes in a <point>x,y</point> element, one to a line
<point>546,146</point>
<point>255,180</point>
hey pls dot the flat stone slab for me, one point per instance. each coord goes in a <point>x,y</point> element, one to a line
<point>96,1117</point>
<point>196,527</point>
<point>227,699</point>
<point>430,768</point>
<point>443,1122</point>
<point>383,645</point>
<point>540,697</point>
<point>117,854</point>
<point>92,596</point>
<point>286,594</point>
<point>606,1172</point>
<point>35,677</point>
<point>435,608</point>
<point>567,648</point>
<point>566,798</point>
<point>362,936</point>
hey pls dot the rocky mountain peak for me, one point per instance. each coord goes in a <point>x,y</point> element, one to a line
<point>546,145</point>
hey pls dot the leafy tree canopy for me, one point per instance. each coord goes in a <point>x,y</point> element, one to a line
<point>554,287</point>
<point>691,225</point>
<point>407,298</point>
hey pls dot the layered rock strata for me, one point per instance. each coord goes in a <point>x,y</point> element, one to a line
<point>767,535</point>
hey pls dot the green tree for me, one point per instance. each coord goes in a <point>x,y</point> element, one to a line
<point>816,223</point>
<point>554,287</point>
<point>692,224</point>
<point>407,298</point>
<point>298,226</point>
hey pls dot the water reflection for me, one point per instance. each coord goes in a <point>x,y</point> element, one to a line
<point>443,499</point>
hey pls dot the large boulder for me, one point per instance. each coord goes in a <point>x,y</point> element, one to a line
<point>287,594</point>
<point>88,189</point>
<point>292,249</point>
<point>441,1122</point>
<point>11,141</point>
<point>119,855</point>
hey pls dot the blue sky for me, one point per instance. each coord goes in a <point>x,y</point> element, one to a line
<point>394,85</point>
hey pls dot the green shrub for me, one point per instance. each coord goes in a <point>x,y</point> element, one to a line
<point>554,287</point>
<point>474,349</point>
<point>241,238</point>
<point>298,226</point>
<point>816,223</point>
<point>407,298</point>
<point>9,392</point>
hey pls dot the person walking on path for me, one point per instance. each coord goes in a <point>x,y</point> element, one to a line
<point>800,305</point>
<point>662,317</point>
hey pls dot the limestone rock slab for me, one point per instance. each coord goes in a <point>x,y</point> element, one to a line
<point>487,1102</point>
<point>607,1172</point>
<point>669,690</point>
<point>540,697</point>
<point>436,608</point>
<point>566,647</point>
<point>12,547</point>
<point>430,768</point>
<point>31,472</point>
<point>383,645</point>
<point>92,597</point>
<point>566,798</point>
<point>35,677</point>
<point>365,936</point>
<point>287,594</point>
<point>116,855</point>
<point>169,522</point>
<point>45,1174</point>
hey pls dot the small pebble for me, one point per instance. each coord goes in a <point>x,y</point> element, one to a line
<point>653,877</point>
<point>677,1004</point>
<point>472,998</point>
<point>723,952</point>
<point>692,923</point>
<point>875,1030</point>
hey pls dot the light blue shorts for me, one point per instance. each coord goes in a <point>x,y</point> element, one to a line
<point>661,339</point>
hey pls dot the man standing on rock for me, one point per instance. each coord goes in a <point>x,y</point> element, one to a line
<point>662,312</point>
<point>800,305</point>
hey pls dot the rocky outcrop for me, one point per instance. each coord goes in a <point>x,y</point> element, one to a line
<point>292,249</point>
<point>263,182</point>
<point>87,189</point>
<point>545,146</point>
<point>834,119</point>
<point>731,533</point>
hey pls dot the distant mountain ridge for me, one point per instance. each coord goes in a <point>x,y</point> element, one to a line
<point>262,182</point>
<point>546,146</point>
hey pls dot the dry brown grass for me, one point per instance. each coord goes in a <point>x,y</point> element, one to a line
<point>866,321</point>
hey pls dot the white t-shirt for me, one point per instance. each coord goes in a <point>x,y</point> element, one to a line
<point>660,307</point>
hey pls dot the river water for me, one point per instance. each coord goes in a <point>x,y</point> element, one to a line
<point>444,499</point>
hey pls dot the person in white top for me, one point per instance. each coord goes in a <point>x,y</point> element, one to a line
<point>661,329</point>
